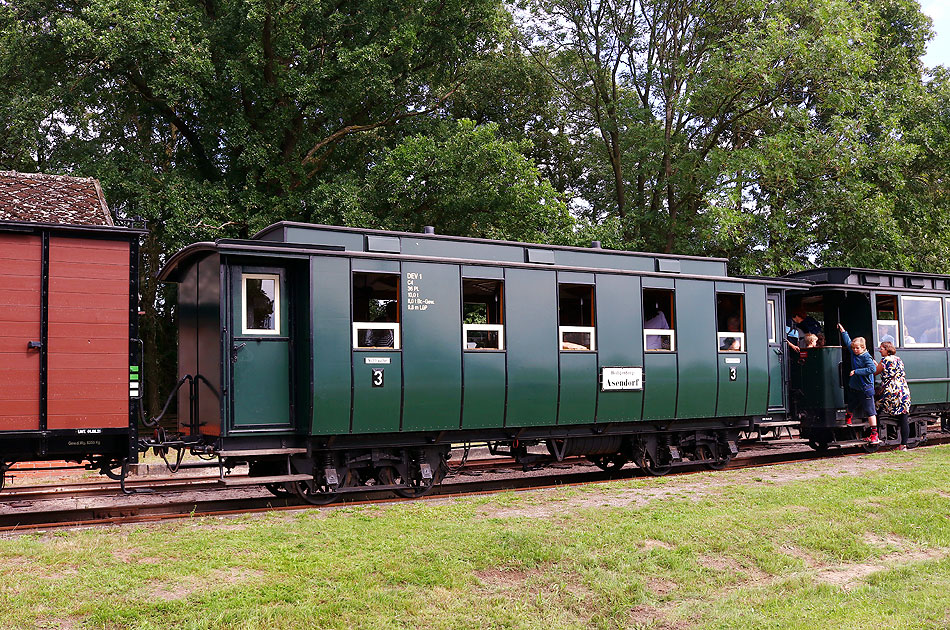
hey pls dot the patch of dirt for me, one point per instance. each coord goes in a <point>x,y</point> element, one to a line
<point>718,563</point>
<point>171,593</point>
<point>651,543</point>
<point>661,587</point>
<point>847,576</point>
<point>801,554</point>
<point>646,617</point>
<point>62,574</point>
<point>167,591</point>
<point>127,555</point>
<point>504,579</point>
<point>58,624</point>
<point>729,565</point>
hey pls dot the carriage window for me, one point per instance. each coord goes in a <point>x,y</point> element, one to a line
<point>947,313</point>
<point>887,319</point>
<point>658,333</point>
<point>375,310</point>
<point>730,322</point>
<point>482,314</point>
<point>260,298</point>
<point>576,317</point>
<point>922,322</point>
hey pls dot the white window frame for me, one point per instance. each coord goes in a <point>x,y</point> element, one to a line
<point>582,329</point>
<point>260,331</point>
<point>946,313</point>
<point>897,327</point>
<point>723,335</point>
<point>393,326</point>
<point>770,304</point>
<point>903,314</point>
<point>498,328</point>
<point>659,332</point>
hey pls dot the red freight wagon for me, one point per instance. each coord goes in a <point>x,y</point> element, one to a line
<point>69,357</point>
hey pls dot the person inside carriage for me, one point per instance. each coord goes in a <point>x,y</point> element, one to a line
<point>805,323</point>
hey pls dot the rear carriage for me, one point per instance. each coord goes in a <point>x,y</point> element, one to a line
<point>69,362</point>
<point>331,358</point>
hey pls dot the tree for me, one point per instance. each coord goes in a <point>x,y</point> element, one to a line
<point>467,182</point>
<point>213,118</point>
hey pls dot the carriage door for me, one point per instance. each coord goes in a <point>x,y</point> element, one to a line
<point>260,349</point>
<point>776,333</point>
<point>21,331</point>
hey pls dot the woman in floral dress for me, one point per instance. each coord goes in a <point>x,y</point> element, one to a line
<point>895,395</point>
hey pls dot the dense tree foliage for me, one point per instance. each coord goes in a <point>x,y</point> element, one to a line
<point>777,133</point>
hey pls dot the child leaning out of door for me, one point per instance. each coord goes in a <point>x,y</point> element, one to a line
<point>862,383</point>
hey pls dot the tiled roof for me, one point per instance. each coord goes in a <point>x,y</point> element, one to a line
<point>40,198</point>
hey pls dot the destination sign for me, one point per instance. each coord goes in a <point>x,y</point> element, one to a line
<point>617,379</point>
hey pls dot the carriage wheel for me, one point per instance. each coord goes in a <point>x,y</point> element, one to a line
<point>311,494</point>
<point>608,463</point>
<point>716,464</point>
<point>389,476</point>
<point>281,490</point>
<point>646,463</point>
<point>315,494</point>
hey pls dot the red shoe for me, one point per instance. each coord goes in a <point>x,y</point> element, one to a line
<point>873,438</point>
<point>902,447</point>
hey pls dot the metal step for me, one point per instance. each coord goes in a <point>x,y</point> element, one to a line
<point>778,423</point>
<point>254,481</point>
<point>844,443</point>
<point>258,452</point>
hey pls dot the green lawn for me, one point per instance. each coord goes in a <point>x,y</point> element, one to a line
<point>845,543</point>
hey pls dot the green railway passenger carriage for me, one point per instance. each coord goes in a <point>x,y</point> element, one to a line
<point>331,358</point>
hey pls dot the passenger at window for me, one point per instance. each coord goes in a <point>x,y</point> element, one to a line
<point>861,383</point>
<point>657,321</point>
<point>809,341</point>
<point>883,332</point>
<point>895,393</point>
<point>731,344</point>
<point>805,322</point>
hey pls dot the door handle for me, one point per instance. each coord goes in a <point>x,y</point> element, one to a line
<point>34,345</point>
<point>235,350</point>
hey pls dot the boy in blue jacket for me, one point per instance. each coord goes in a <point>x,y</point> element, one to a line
<point>862,383</point>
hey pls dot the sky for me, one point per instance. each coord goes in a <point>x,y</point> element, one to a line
<point>938,50</point>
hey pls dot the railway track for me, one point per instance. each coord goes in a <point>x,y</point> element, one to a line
<point>464,483</point>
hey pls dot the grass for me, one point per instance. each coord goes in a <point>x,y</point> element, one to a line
<point>846,543</point>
